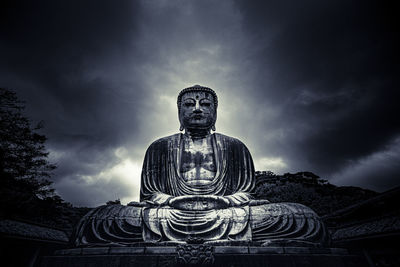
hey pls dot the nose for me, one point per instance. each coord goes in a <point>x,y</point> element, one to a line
<point>197,108</point>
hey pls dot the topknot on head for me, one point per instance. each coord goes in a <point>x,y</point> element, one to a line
<point>197,88</point>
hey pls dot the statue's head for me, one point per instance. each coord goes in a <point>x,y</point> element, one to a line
<point>197,108</point>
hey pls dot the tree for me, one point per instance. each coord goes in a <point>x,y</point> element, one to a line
<point>23,156</point>
<point>25,171</point>
<point>113,202</point>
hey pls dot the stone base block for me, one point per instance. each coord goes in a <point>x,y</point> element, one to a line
<point>191,255</point>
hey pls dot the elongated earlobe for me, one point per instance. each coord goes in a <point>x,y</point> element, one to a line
<point>213,128</point>
<point>181,128</point>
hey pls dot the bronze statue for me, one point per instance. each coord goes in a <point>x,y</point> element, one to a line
<point>197,185</point>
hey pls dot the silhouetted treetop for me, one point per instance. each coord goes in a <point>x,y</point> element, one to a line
<point>23,155</point>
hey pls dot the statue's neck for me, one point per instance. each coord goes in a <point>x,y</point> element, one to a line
<point>197,133</point>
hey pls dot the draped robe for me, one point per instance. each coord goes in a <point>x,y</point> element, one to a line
<point>153,220</point>
<point>162,180</point>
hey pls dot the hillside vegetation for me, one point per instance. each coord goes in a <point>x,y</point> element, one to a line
<point>308,189</point>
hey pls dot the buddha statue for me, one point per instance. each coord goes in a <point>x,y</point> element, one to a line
<point>196,185</point>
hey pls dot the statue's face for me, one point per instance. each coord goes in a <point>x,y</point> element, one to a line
<point>197,110</point>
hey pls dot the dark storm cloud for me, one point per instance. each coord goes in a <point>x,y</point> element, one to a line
<point>66,53</point>
<point>96,72</point>
<point>332,68</point>
<point>306,85</point>
<point>71,62</point>
<point>379,170</point>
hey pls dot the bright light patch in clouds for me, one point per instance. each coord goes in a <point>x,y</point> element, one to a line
<point>276,165</point>
<point>127,174</point>
<point>119,181</point>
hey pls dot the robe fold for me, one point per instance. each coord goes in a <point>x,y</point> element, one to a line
<point>152,220</point>
<point>160,173</point>
<point>161,180</point>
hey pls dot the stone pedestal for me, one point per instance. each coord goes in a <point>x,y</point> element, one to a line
<point>196,255</point>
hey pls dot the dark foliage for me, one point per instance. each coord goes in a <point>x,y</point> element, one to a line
<point>308,189</point>
<point>25,172</point>
<point>113,202</point>
<point>22,152</point>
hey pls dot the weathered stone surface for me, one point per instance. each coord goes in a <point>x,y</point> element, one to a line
<point>152,250</point>
<point>232,250</point>
<point>296,250</point>
<point>266,250</point>
<point>160,250</point>
<point>195,254</point>
<point>126,250</point>
<point>100,261</point>
<point>221,256</point>
<point>95,251</point>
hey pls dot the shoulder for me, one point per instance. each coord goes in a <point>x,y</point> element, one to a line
<point>228,139</point>
<point>165,140</point>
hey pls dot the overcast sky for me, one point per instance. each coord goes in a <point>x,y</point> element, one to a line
<point>306,85</point>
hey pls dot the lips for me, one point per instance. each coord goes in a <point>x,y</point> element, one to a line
<point>197,116</point>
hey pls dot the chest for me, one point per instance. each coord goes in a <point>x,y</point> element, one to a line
<point>197,159</point>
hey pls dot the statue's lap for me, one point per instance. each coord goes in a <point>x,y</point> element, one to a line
<point>289,221</point>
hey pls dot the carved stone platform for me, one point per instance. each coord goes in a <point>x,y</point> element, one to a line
<point>203,255</point>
